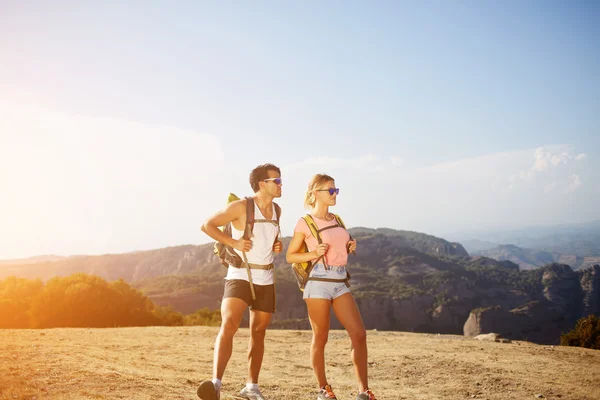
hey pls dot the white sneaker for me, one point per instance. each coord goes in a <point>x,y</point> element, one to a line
<point>253,394</point>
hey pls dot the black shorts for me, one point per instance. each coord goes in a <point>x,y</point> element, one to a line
<point>265,294</point>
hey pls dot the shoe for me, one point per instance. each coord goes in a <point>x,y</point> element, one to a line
<point>254,394</point>
<point>207,391</point>
<point>326,393</point>
<point>368,395</point>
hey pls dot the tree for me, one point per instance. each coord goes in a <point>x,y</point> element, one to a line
<point>585,334</point>
<point>16,296</point>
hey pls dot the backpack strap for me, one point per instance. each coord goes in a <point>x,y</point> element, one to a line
<point>249,218</point>
<point>277,211</point>
<point>339,220</point>
<point>341,223</point>
<point>346,280</point>
<point>330,227</point>
<point>278,215</point>
<point>313,227</point>
<point>247,233</point>
<point>267,267</point>
<point>316,232</point>
<point>278,237</point>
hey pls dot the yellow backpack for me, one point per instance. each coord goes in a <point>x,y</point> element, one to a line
<point>302,270</point>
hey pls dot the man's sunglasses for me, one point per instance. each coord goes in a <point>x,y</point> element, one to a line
<point>277,181</point>
<point>330,190</point>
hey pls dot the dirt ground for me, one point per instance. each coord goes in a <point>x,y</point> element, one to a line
<point>169,362</point>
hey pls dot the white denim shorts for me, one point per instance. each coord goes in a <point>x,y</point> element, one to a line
<point>326,290</point>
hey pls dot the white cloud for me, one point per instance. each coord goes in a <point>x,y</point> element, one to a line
<point>574,183</point>
<point>547,157</point>
<point>489,190</point>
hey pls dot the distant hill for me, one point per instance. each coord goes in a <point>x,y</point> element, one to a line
<point>129,266</point>
<point>402,280</point>
<point>419,241</point>
<point>530,258</point>
<point>525,258</point>
<point>582,240</point>
<point>475,245</point>
<point>190,259</point>
<point>32,260</point>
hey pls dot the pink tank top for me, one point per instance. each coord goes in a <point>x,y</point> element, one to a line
<point>336,238</point>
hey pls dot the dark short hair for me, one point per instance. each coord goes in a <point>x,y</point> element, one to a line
<point>261,173</point>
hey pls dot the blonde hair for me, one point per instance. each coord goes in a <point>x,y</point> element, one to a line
<point>315,182</point>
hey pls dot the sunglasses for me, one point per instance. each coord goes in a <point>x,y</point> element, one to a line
<point>330,190</point>
<point>277,181</point>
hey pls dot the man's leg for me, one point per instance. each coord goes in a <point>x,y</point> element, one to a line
<point>232,311</point>
<point>259,321</point>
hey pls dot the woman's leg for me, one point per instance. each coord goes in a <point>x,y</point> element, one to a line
<point>347,313</point>
<point>318,314</point>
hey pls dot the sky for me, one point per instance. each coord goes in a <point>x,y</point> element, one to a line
<point>124,126</point>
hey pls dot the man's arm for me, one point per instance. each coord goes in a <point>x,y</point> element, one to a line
<point>231,213</point>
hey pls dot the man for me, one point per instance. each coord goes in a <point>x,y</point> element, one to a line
<point>251,282</point>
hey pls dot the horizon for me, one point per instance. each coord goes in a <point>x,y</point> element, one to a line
<point>129,133</point>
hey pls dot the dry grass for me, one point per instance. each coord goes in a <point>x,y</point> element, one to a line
<point>168,363</point>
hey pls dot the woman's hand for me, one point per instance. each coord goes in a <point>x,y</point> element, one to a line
<point>322,249</point>
<point>352,246</point>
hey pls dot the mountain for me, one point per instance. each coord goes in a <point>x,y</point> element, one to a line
<point>401,280</point>
<point>567,295</point>
<point>190,259</point>
<point>530,258</point>
<point>582,240</point>
<point>476,245</point>
<point>416,240</point>
<point>32,260</point>
<point>525,258</point>
<point>129,266</point>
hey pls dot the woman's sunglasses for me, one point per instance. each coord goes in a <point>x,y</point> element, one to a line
<point>277,181</point>
<point>330,190</point>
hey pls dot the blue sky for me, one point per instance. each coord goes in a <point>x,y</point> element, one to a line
<point>123,126</point>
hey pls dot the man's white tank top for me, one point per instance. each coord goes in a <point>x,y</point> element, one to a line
<point>263,238</point>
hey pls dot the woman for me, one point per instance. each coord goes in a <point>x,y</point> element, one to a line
<point>330,258</point>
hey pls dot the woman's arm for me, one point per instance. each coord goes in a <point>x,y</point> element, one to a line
<point>295,254</point>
